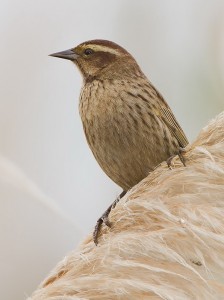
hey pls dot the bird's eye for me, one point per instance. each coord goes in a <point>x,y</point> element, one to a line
<point>88,51</point>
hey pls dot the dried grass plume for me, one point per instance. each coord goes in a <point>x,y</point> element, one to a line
<point>166,240</point>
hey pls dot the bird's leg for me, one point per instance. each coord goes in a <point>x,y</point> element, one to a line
<point>104,218</point>
<point>181,157</point>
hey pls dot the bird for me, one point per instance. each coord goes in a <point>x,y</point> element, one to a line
<point>128,125</point>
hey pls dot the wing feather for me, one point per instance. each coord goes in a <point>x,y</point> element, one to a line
<point>166,115</point>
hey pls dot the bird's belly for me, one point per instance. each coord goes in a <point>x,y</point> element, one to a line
<point>126,154</point>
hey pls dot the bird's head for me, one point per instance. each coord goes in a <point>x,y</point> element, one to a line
<point>100,59</point>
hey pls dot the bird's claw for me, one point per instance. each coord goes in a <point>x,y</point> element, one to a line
<point>104,219</point>
<point>169,161</point>
<point>181,157</point>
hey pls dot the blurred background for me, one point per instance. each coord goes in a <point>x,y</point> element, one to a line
<point>52,190</point>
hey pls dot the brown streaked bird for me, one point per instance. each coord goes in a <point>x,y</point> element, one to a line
<point>128,125</point>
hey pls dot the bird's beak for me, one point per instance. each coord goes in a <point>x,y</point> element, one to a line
<point>67,54</point>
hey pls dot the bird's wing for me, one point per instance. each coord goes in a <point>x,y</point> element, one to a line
<point>166,115</point>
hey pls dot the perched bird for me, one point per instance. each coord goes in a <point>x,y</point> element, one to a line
<point>128,125</point>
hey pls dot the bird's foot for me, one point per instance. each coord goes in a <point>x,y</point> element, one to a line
<point>104,218</point>
<point>181,157</point>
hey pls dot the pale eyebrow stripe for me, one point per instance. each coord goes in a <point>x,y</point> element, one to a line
<point>103,48</point>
